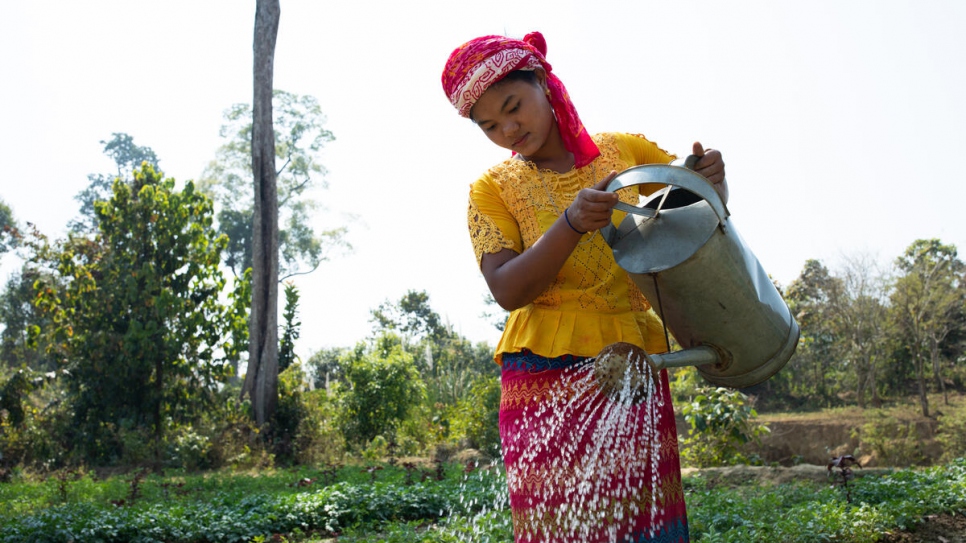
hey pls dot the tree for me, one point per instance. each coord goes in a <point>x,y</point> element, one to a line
<point>412,316</point>
<point>290,333</point>
<point>927,301</point>
<point>128,157</point>
<point>20,344</point>
<point>808,372</point>
<point>138,322</point>
<point>8,228</point>
<point>236,314</point>
<point>451,364</point>
<point>300,134</point>
<point>384,387</point>
<point>327,367</point>
<point>261,379</point>
<point>859,319</point>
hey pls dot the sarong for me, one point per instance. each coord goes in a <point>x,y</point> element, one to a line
<point>582,467</point>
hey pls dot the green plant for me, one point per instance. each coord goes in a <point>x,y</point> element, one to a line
<point>721,421</point>
<point>894,442</point>
<point>476,418</point>
<point>384,388</point>
<point>952,433</point>
<point>844,466</point>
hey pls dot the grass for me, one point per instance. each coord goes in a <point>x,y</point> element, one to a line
<point>397,507</point>
<point>905,408</point>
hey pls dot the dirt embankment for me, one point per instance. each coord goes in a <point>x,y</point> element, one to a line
<point>813,441</point>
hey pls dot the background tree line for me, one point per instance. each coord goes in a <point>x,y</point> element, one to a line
<point>871,334</point>
<point>122,343</point>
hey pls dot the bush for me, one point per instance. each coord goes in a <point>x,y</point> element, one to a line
<point>476,418</point>
<point>894,442</point>
<point>952,434</point>
<point>384,388</point>
<point>189,449</point>
<point>722,421</point>
<point>318,438</point>
<point>34,423</point>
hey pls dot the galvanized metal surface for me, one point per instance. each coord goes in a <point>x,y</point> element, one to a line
<point>688,259</point>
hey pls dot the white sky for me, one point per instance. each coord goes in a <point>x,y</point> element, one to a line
<point>842,123</point>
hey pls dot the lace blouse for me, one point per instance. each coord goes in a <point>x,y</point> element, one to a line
<point>592,302</point>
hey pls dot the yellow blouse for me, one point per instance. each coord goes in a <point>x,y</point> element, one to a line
<point>592,303</point>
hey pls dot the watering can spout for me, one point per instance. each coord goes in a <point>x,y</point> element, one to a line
<point>702,355</point>
<point>624,370</point>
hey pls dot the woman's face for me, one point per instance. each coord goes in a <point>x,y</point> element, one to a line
<point>516,115</point>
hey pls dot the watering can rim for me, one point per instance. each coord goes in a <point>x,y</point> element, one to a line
<point>675,175</point>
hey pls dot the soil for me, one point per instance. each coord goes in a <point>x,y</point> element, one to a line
<point>934,528</point>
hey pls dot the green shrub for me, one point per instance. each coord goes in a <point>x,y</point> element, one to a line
<point>894,442</point>
<point>475,419</point>
<point>377,449</point>
<point>721,421</point>
<point>952,434</point>
<point>318,439</point>
<point>189,449</point>
<point>384,388</point>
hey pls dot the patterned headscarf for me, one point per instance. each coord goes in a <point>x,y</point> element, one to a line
<point>479,63</point>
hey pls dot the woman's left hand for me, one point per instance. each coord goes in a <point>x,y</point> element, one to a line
<point>711,166</point>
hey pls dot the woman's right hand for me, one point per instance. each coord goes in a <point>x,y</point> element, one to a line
<point>592,207</point>
<point>516,279</point>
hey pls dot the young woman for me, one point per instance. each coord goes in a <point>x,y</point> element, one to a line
<point>533,220</point>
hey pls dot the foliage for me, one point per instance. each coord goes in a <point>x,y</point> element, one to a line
<point>802,513</point>
<point>929,302</point>
<point>236,316</point>
<point>128,157</point>
<point>300,135</point>
<point>872,334</point>
<point>952,433</point>
<point>721,421</point>
<point>448,363</point>
<point>233,508</point>
<point>477,417</point>
<point>8,228</point>
<point>290,331</point>
<point>462,507</point>
<point>894,442</point>
<point>411,317</point>
<point>33,421</point>
<point>384,387</point>
<point>304,429</point>
<point>20,341</point>
<point>326,366</point>
<point>138,319</point>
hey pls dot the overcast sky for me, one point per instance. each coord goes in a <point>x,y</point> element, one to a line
<point>842,123</point>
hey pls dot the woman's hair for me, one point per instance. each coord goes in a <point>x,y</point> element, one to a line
<point>528,76</point>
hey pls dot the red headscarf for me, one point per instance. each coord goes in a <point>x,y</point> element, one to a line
<point>479,63</point>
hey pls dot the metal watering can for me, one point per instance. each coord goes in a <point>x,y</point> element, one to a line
<point>684,253</point>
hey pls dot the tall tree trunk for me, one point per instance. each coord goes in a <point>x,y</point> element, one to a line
<point>261,379</point>
<point>921,377</point>
<point>158,423</point>
<point>874,385</point>
<point>936,371</point>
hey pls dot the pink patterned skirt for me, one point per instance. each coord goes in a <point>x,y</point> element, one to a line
<point>582,467</point>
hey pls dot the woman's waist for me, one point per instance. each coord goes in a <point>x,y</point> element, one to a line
<point>554,332</point>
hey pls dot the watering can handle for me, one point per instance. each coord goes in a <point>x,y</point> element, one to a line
<point>672,175</point>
